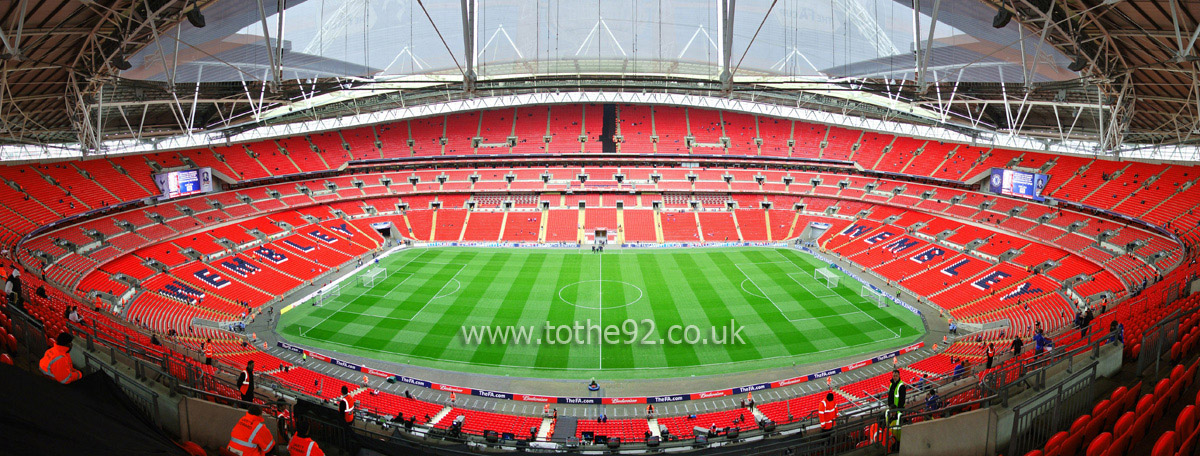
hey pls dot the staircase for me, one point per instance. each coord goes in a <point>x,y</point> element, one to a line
<point>503,223</point>
<point>658,227</point>
<point>542,228</point>
<point>621,223</point>
<point>737,226</point>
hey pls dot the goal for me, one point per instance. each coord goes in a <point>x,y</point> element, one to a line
<point>372,276</point>
<point>826,277</point>
<point>873,295</point>
<point>326,295</point>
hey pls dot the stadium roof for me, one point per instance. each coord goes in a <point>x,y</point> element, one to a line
<point>80,76</point>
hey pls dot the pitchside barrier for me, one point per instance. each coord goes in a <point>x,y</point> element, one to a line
<point>600,400</point>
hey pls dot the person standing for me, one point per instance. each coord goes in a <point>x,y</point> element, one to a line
<point>1017,343</point>
<point>57,364</point>
<point>991,354</point>
<point>250,436</point>
<point>345,406</point>
<point>208,352</point>
<point>897,391</point>
<point>827,413</point>
<point>245,382</point>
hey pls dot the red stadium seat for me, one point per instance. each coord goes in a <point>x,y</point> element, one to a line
<point>1186,422</point>
<point>1165,445</point>
<point>1055,442</point>
<point>1124,424</point>
<point>1099,445</point>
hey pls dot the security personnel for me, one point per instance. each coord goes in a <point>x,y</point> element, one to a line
<point>827,412</point>
<point>245,382</point>
<point>345,406</point>
<point>991,353</point>
<point>208,352</point>
<point>896,391</point>
<point>301,445</point>
<point>56,363</point>
<point>250,436</point>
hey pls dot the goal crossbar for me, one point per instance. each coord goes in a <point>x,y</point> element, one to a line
<point>827,277</point>
<point>372,276</point>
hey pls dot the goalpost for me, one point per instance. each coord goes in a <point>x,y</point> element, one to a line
<point>874,296</point>
<point>826,277</point>
<point>372,276</point>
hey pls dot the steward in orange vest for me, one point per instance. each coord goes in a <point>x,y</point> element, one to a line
<point>208,352</point>
<point>827,412</point>
<point>250,436</point>
<point>301,445</point>
<point>56,363</point>
<point>245,382</point>
<point>345,406</point>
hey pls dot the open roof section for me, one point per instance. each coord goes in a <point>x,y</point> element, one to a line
<point>1133,97</point>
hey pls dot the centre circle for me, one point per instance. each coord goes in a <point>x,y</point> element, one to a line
<point>589,294</point>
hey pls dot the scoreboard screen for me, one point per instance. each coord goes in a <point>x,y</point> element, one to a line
<point>186,182</point>
<point>1018,183</point>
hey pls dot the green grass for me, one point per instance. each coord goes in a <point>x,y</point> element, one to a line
<point>417,313</point>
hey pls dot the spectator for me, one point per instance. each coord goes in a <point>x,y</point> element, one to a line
<point>933,401</point>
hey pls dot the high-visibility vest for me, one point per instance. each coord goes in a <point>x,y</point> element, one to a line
<point>304,446</point>
<point>250,437</point>
<point>244,387</point>
<point>208,351</point>
<point>894,394</point>
<point>349,407</point>
<point>827,413</point>
<point>56,364</point>
<point>875,433</point>
<point>991,352</point>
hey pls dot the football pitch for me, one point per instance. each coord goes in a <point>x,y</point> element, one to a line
<point>624,314</point>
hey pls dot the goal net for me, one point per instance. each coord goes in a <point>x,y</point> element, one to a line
<point>326,295</point>
<point>373,276</point>
<point>874,296</point>
<point>826,277</point>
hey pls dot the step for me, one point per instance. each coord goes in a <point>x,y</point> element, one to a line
<point>652,423</point>
<point>440,414</point>
<point>433,226</point>
<point>466,222</point>
<point>658,231</point>
<point>736,226</point>
<point>767,219</point>
<point>758,416</point>
<point>503,223</point>
<point>544,430</point>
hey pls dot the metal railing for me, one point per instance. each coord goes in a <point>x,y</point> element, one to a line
<point>143,397</point>
<point>1052,410</point>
